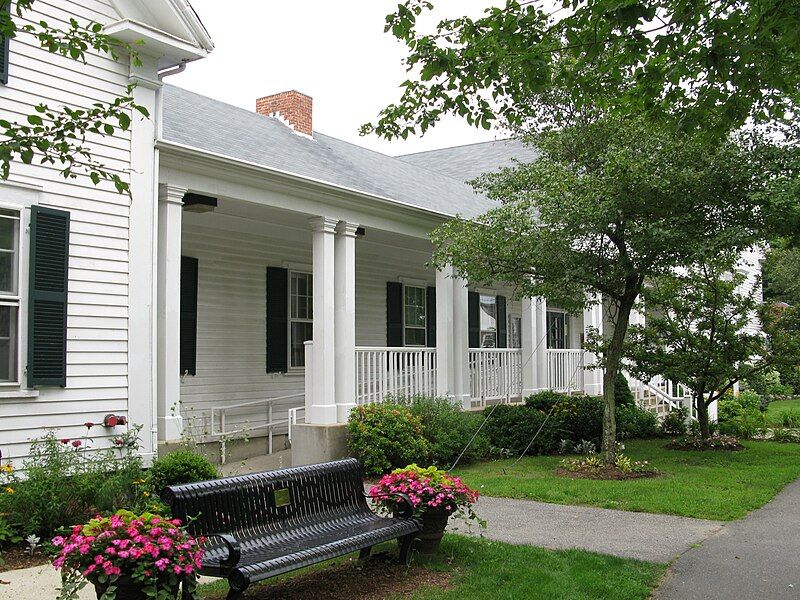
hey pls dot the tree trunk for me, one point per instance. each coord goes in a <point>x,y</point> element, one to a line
<point>702,417</point>
<point>612,368</point>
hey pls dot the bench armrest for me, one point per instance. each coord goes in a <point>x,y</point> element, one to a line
<point>234,550</point>
<point>406,511</point>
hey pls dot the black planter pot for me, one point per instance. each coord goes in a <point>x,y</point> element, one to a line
<point>126,589</point>
<point>434,522</point>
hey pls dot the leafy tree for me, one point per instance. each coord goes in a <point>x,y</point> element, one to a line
<point>608,205</point>
<point>58,136</point>
<point>715,63</point>
<point>697,332</point>
<point>782,274</point>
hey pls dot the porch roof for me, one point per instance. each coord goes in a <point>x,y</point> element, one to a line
<point>210,125</point>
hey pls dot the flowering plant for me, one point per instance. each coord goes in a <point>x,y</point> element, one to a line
<point>146,549</point>
<point>427,489</point>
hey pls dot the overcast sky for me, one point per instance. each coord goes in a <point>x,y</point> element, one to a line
<point>335,52</point>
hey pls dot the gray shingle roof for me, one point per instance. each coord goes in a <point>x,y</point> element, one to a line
<point>206,124</point>
<point>465,163</point>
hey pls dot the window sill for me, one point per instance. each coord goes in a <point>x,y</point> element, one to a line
<point>18,394</point>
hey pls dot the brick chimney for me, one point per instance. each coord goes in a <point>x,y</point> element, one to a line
<point>292,106</point>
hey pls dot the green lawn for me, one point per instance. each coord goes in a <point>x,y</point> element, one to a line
<point>485,569</point>
<point>709,485</point>
<point>778,407</point>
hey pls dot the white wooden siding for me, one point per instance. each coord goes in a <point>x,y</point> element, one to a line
<point>97,313</point>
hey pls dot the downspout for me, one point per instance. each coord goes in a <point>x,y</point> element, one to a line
<point>180,68</point>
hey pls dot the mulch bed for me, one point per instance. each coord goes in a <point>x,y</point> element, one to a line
<point>379,577</point>
<point>18,557</point>
<point>606,473</point>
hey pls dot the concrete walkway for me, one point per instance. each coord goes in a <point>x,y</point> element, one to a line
<point>644,536</point>
<point>757,557</point>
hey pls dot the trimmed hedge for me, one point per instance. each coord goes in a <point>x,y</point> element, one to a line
<point>181,466</point>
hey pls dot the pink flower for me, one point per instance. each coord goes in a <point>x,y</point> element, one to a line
<point>76,443</point>
<point>58,541</point>
<point>162,563</point>
<point>88,424</point>
<point>64,441</point>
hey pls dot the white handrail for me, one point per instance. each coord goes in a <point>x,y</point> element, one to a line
<point>294,419</point>
<point>223,432</point>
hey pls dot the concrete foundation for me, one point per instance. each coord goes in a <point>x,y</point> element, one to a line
<point>318,443</point>
<point>235,450</point>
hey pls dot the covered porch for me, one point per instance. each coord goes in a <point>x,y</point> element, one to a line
<point>283,320</point>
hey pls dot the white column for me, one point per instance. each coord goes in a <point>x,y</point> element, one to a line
<point>534,346</point>
<point>444,332</point>
<point>345,324</point>
<point>542,371</point>
<point>592,320</point>
<point>323,374</point>
<point>170,215</point>
<point>461,391</point>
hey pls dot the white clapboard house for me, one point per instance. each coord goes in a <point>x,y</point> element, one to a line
<point>262,277</point>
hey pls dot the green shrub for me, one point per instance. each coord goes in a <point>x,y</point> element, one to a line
<point>386,436</point>
<point>512,428</point>
<point>636,423</point>
<point>181,466</point>
<point>789,419</point>
<point>748,425</point>
<point>674,424</point>
<point>581,418</point>
<point>66,483</point>
<point>731,407</point>
<point>544,400</point>
<point>448,430</point>
<point>623,396</point>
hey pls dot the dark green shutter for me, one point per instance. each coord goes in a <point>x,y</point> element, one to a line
<point>277,320</point>
<point>47,297</point>
<point>394,314</point>
<point>474,315</point>
<point>502,334</point>
<point>4,47</point>
<point>188,342</point>
<point>430,314</point>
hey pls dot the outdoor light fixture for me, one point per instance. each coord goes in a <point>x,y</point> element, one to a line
<point>198,203</point>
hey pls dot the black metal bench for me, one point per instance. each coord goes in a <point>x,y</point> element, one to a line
<point>265,524</point>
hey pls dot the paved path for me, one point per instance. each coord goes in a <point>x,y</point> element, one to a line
<point>650,537</point>
<point>757,557</point>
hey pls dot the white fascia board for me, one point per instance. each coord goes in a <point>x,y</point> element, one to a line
<point>269,172</point>
<point>154,42</point>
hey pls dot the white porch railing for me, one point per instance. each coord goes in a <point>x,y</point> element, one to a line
<point>565,369</point>
<point>495,373</point>
<point>225,432</point>
<point>382,372</point>
<point>662,395</point>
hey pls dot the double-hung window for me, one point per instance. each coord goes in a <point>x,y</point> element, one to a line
<point>414,315</point>
<point>488,321</point>
<point>301,314</point>
<point>557,330</point>
<point>9,295</point>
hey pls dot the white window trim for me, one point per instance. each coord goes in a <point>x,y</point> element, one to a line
<point>299,270</point>
<point>20,197</point>
<point>424,288</point>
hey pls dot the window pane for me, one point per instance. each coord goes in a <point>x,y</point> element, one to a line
<point>415,337</point>
<point>300,301</point>
<point>556,330</point>
<point>414,311</point>
<point>515,333</point>
<point>488,313</point>
<point>8,343</point>
<point>301,332</point>
<point>488,339</point>
<point>8,233</point>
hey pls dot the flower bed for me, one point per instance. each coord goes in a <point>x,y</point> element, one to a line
<point>715,442</point>
<point>593,466</point>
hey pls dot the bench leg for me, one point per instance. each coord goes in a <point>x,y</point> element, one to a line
<point>405,549</point>
<point>364,554</point>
